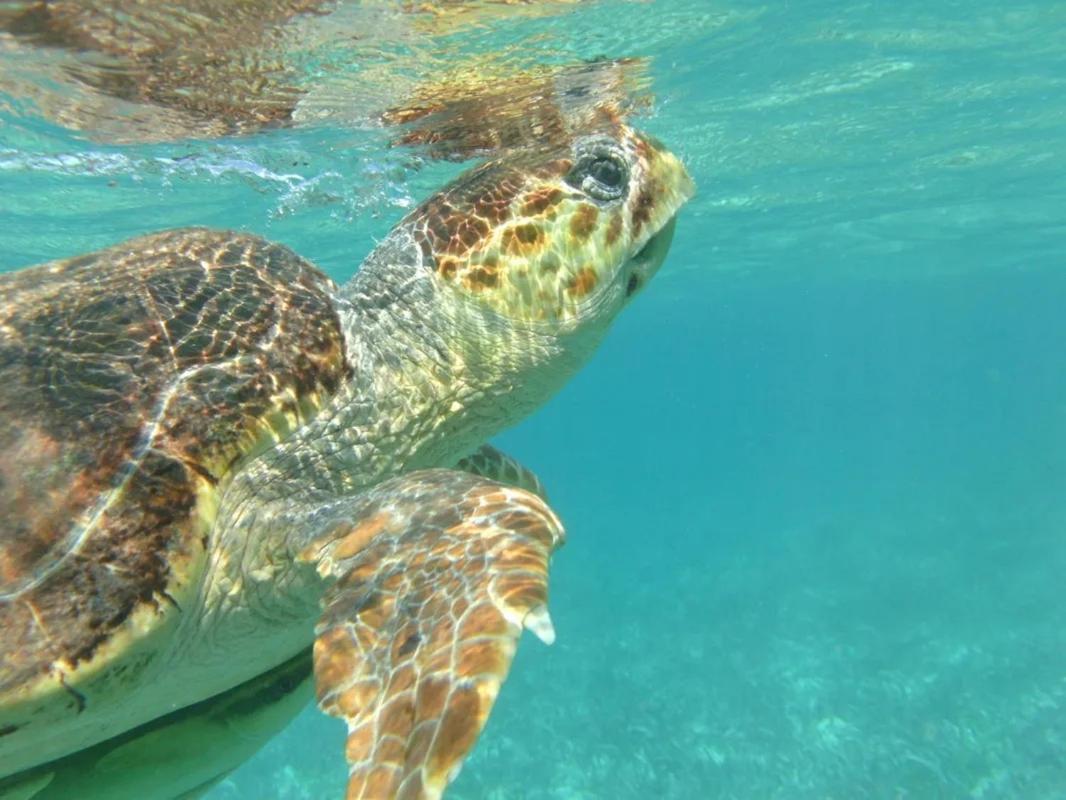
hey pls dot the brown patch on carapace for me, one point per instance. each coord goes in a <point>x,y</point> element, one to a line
<point>40,499</point>
<point>583,221</point>
<point>582,283</point>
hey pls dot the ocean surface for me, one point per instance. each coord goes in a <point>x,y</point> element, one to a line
<point>814,479</point>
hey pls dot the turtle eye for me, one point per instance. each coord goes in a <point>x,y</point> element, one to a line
<point>602,176</point>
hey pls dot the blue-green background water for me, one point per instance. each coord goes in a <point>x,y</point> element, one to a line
<point>814,479</point>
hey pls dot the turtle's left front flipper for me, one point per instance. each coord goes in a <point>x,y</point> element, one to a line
<point>434,576</point>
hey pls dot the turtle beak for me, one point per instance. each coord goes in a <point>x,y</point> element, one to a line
<point>643,266</point>
<point>673,174</point>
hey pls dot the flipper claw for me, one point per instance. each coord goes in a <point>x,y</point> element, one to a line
<point>540,623</point>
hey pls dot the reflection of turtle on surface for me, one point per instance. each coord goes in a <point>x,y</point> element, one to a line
<point>188,68</point>
<point>212,457</point>
<point>134,71</point>
<point>487,107</point>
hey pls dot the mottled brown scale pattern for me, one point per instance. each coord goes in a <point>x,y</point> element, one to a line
<point>583,221</point>
<point>412,654</point>
<point>448,268</point>
<point>494,207</point>
<point>523,238</point>
<point>131,380</point>
<point>540,201</point>
<point>582,283</point>
<point>453,223</point>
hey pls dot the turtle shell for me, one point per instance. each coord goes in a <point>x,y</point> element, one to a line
<point>131,381</point>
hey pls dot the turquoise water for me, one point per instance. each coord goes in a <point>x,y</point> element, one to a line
<point>814,478</point>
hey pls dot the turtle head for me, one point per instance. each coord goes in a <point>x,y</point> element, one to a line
<point>520,266</point>
<point>558,237</point>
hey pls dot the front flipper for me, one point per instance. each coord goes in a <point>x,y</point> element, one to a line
<point>435,575</point>
<point>488,462</point>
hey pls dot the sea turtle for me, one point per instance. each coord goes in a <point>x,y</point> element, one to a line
<point>213,459</point>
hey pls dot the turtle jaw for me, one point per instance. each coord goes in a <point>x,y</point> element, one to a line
<point>650,216</point>
<point>646,262</point>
